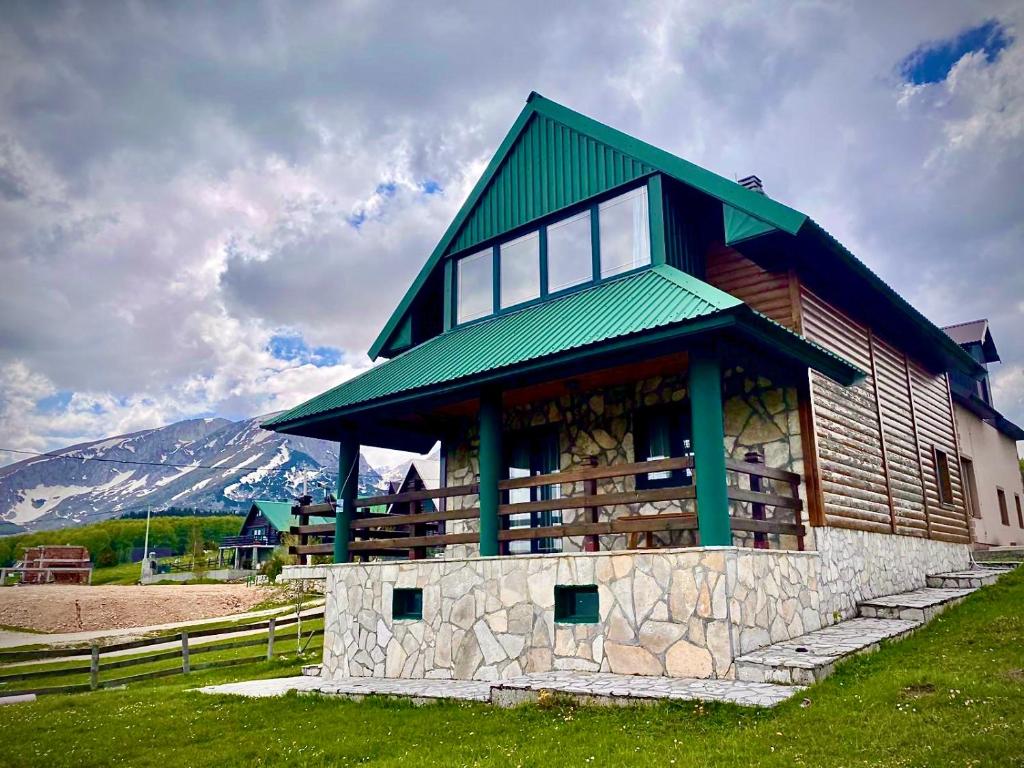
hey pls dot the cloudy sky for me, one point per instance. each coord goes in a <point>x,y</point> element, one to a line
<point>210,209</point>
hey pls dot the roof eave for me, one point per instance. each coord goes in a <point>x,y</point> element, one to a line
<point>739,317</point>
<point>954,356</point>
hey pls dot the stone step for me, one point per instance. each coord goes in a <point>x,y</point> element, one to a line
<point>813,656</point>
<point>918,605</point>
<point>312,670</point>
<point>613,689</point>
<point>972,578</point>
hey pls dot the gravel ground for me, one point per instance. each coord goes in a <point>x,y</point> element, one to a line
<point>67,608</point>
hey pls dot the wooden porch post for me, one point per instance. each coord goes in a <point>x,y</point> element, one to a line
<point>348,489</point>
<point>709,448</point>
<point>490,469</point>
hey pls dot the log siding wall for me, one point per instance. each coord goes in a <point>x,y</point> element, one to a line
<point>875,442</point>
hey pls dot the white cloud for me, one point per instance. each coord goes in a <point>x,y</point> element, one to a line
<point>176,186</point>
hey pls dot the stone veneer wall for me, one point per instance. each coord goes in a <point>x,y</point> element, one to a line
<point>683,613</point>
<point>758,415</point>
<point>859,565</point>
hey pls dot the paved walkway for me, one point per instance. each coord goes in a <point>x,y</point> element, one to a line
<point>599,687</point>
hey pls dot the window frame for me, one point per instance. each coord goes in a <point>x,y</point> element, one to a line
<point>534,438</point>
<point>495,284</point>
<point>970,483</point>
<point>1004,507</point>
<point>943,478</point>
<point>407,604</point>
<point>677,416</point>
<point>570,609</point>
<point>540,226</point>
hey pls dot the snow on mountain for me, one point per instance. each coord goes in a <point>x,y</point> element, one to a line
<point>221,464</point>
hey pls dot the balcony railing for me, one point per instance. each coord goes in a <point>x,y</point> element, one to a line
<point>765,507</point>
<point>271,539</point>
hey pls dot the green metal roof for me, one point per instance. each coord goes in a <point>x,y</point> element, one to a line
<point>582,155</point>
<point>587,154</point>
<point>651,299</point>
<point>279,513</point>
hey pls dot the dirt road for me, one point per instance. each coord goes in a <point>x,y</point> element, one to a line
<point>67,608</point>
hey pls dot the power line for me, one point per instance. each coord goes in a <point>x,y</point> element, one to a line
<point>72,457</point>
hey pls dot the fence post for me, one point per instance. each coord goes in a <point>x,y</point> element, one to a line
<point>184,653</point>
<point>757,509</point>
<point>591,542</point>
<point>94,668</point>
<point>270,640</point>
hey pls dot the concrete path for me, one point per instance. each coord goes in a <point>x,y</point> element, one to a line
<point>590,687</point>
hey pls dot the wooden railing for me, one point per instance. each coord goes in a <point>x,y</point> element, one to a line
<point>415,532</point>
<point>35,664</point>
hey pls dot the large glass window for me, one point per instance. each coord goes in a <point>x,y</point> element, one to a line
<point>570,252</point>
<point>475,286</point>
<point>623,243</point>
<point>625,234</point>
<point>520,270</point>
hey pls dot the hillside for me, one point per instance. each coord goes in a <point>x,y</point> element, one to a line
<point>221,464</point>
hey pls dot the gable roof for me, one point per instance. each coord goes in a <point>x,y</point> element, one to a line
<point>658,298</point>
<point>648,158</point>
<point>279,513</point>
<point>748,215</point>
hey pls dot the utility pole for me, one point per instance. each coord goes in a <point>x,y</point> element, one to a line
<point>145,545</point>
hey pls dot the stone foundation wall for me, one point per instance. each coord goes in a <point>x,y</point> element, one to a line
<point>858,565</point>
<point>682,613</point>
<point>758,416</point>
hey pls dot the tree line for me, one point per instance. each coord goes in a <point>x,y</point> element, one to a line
<point>111,542</point>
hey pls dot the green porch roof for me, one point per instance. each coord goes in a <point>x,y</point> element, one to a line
<point>653,299</point>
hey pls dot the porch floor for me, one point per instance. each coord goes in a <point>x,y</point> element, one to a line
<point>596,687</point>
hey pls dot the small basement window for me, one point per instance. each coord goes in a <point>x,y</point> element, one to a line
<point>577,604</point>
<point>942,477</point>
<point>407,604</point>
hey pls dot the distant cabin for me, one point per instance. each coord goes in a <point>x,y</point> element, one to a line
<point>261,532</point>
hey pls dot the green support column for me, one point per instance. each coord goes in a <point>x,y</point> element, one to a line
<point>348,489</point>
<point>709,449</point>
<point>490,470</point>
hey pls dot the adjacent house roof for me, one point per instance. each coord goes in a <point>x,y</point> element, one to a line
<point>427,471</point>
<point>749,216</point>
<point>975,332</point>
<point>279,513</point>
<point>658,299</point>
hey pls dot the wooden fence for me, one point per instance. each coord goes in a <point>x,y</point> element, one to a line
<point>769,504</point>
<point>186,651</point>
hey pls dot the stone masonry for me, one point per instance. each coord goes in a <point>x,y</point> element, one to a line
<point>758,416</point>
<point>681,613</point>
<point>859,565</point>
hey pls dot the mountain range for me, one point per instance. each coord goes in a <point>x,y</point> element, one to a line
<point>202,463</point>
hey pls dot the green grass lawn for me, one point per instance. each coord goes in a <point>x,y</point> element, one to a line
<point>124,573</point>
<point>951,695</point>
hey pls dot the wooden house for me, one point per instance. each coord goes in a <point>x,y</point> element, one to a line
<point>261,533</point>
<point>679,421</point>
